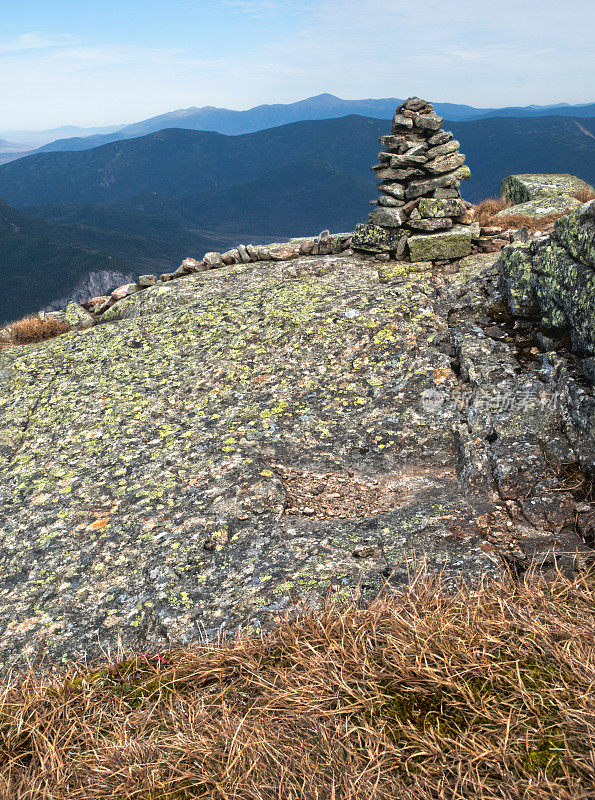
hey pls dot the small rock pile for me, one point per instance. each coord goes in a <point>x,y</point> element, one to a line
<point>420,215</point>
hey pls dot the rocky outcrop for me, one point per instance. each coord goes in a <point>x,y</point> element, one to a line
<point>261,434</point>
<point>542,207</point>
<point>552,278</point>
<point>420,214</point>
<point>524,188</point>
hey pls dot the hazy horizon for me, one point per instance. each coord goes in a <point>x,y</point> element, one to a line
<point>67,63</point>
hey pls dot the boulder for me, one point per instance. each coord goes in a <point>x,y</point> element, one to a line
<point>542,207</point>
<point>522,188</point>
<point>552,278</point>
<point>577,233</point>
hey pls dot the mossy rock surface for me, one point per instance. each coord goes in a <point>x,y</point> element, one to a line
<point>372,238</point>
<point>577,233</point>
<point>543,206</point>
<point>453,243</point>
<point>523,188</point>
<point>143,463</point>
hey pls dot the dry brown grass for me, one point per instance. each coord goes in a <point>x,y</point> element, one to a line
<point>425,696</point>
<point>33,329</point>
<point>585,195</point>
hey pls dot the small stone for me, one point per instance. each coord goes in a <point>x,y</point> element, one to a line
<point>191,264</point>
<point>96,302</point>
<point>406,160</point>
<point>443,149</point>
<point>431,122</point>
<point>387,200</point>
<point>444,194</point>
<point>167,276</point>
<point>401,121</point>
<point>364,552</point>
<point>403,144</point>
<point>213,260</point>
<point>325,244</point>
<point>388,217</point>
<point>440,138</point>
<point>393,189</point>
<point>147,280</point>
<point>445,163</point>
<point>307,247</point>
<point>414,104</point>
<point>430,207</point>
<point>440,223</point>
<point>406,174</point>
<point>387,173</point>
<point>124,291</point>
<point>449,179</point>
<point>243,254</point>
<point>283,253</point>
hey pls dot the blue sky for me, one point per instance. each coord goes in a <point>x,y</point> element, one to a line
<point>86,62</point>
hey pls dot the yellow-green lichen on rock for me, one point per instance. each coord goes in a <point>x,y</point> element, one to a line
<point>143,496</point>
<point>553,278</point>
<point>526,187</point>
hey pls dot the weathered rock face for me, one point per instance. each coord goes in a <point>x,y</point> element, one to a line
<point>542,207</point>
<point>553,278</point>
<point>419,173</point>
<point>523,188</point>
<point>222,444</point>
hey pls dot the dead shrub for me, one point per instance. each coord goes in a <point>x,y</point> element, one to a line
<point>485,214</point>
<point>34,329</point>
<point>482,694</point>
<point>487,209</point>
<point>584,195</point>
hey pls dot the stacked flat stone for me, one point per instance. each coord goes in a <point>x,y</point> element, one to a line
<point>420,215</point>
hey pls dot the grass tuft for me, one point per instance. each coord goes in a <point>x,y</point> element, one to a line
<point>486,693</point>
<point>33,329</point>
<point>584,195</point>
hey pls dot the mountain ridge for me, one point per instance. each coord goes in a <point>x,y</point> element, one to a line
<point>324,106</point>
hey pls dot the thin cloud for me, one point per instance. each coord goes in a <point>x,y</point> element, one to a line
<point>34,41</point>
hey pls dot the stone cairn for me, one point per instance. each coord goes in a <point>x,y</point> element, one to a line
<point>420,215</point>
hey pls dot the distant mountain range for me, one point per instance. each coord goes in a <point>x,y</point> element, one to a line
<point>144,204</point>
<point>234,123</point>
<point>38,138</point>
